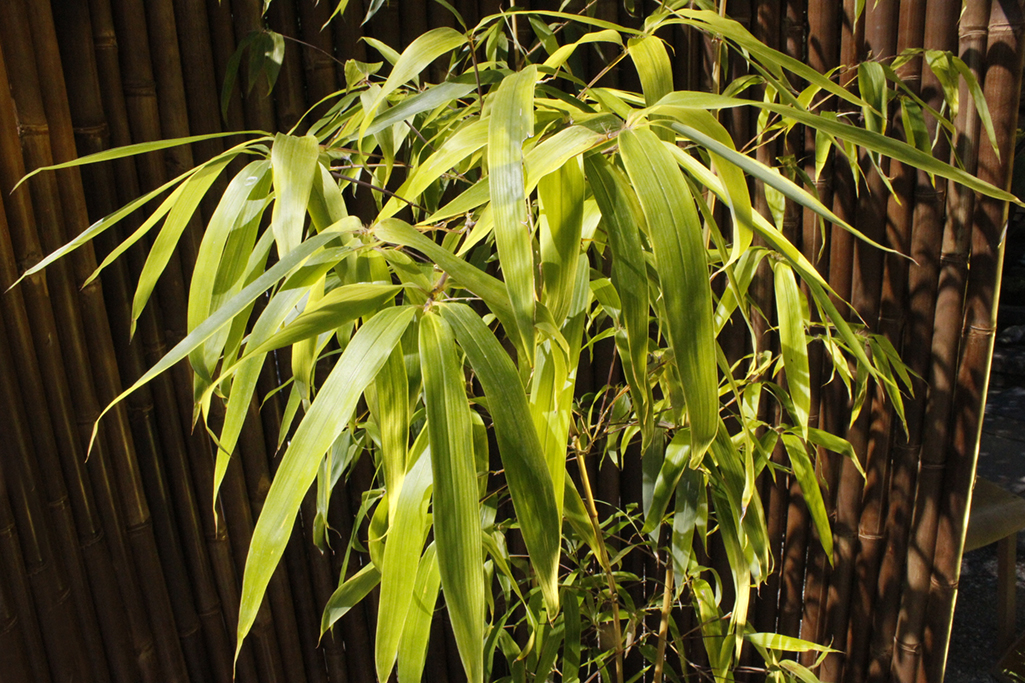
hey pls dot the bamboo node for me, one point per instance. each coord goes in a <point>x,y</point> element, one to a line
<point>99,129</point>
<point>33,129</point>
<point>90,540</point>
<point>980,331</point>
<point>105,40</point>
<point>141,89</point>
<point>914,648</point>
<point>870,536</point>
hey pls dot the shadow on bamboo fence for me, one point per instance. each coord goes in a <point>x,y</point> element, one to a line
<point>121,567</point>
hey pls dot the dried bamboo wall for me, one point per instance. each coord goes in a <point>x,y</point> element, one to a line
<point>116,568</point>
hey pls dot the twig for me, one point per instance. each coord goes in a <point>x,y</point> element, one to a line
<point>363,183</point>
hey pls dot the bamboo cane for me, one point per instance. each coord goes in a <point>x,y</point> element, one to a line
<point>222,35</point>
<point>13,312</point>
<point>822,55</point>
<point>318,53</point>
<point>926,235</point>
<point>948,309</point>
<point>14,654</point>
<point>1004,60</point>
<point>259,109</point>
<point>65,648</point>
<point>833,410</point>
<point>117,110</point>
<point>891,318</point>
<point>290,89</point>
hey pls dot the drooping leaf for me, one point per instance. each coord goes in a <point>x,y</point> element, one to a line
<point>457,532</point>
<point>329,413</point>
<point>525,470</point>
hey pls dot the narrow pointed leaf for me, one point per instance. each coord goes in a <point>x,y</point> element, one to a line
<point>294,161</point>
<point>457,531</point>
<point>525,469</point>
<point>328,416</point>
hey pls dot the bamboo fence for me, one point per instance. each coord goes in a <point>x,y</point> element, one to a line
<point>121,567</point>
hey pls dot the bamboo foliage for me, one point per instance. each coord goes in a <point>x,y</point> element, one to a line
<point>446,343</point>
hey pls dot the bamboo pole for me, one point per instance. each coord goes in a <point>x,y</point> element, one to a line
<point>318,53</point>
<point>14,653</point>
<point>909,33</point>
<point>940,32</point>
<point>908,650</point>
<point>13,312</point>
<point>836,44</point>
<point>259,109</point>
<point>1004,60</point>
<point>290,89</point>
<point>54,602</point>
<point>804,557</point>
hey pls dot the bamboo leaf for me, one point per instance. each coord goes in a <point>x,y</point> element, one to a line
<point>793,342</point>
<point>680,259</point>
<point>401,550</point>
<point>653,67</point>
<point>417,631</point>
<point>327,417</point>
<point>512,121</point>
<point>294,161</point>
<point>192,192</point>
<point>562,198</point>
<point>526,472</point>
<point>804,470</point>
<point>415,58</point>
<point>622,216</point>
<point>457,531</point>
<point>348,595</point>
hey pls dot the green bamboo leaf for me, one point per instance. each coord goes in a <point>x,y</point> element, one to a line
<point>457,530</point>
<point>401,550</point>
<point>390,407</point>
<point>691,515</point>
<point>246,373</point>
<point>571,649</point>
<point>348,595</point>
<point>804,471</point>
<point>782,643</point>
<point>464,142</point>
<point>562,198</point>
<point>441,95</point>
<point>329,414</point>
<point>192,192</point>
<point>680,259</point>
<point>210,267</point>
<point>622,217</point>
<point>512,121</point>
<point>793,341</point>
<point>834,443</point>
<point>338,307</point>
<point>559,55</point>
<point>530,484</point>
<point>477,281</point>
<point>803,673</point>
<point>653,67</point>
<point>142,148</point>
<point>294,161</point>
<point>417,631</point>
<point>415,58</point>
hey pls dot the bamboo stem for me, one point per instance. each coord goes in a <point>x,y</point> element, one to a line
<point>1004,60</point>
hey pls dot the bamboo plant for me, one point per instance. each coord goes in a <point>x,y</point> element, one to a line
<point>513,216</point>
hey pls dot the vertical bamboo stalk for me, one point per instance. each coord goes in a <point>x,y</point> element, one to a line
<point>1004,60</point>
<point>290,89</point>
<point>117,113</point>
<point>318,54</point>
<point>908,649</point>
<point>910,27</point>
<point>14,654</point>
<point>65,649</point>
<point>259,109</point>
<point>940,32</point>
<point>834,399</point>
